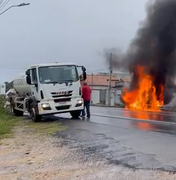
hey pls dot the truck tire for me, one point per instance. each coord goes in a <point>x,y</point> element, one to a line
<point>33,114</point>
<point>75,114</point>
<point>37,118</point>
<point>17,112</point>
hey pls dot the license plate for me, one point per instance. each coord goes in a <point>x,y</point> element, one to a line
<point>62,102</point>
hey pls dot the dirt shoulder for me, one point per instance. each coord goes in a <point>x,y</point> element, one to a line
<point>34,156</point>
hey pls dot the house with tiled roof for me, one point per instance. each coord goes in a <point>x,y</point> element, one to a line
<point>99,84</point>
<point>101,81</point>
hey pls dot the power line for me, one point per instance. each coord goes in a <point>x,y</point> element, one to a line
<point>12,66</point>
<point>4,67</point>
<point>14,69</point>
<point>1,2</point>
<point>97,70</point>
<point>4,4</point>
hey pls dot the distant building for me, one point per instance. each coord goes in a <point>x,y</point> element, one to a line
<point>99,84</point>
<point>2,89</point>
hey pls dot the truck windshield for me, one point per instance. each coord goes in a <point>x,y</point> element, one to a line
<point>58,74</point>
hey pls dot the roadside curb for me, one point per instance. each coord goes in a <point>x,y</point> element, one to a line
<point>100,105</point>
<point>122,107</point>
<point>168,109</point>
<point>134,119</point>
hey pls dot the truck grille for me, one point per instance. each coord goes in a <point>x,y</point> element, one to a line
<point>62,100</point>
<point>61,94</point>
<point>62,107</point>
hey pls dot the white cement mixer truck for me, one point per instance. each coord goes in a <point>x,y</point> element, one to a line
<point>48,89</point>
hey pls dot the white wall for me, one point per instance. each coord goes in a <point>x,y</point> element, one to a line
<point>95,96</point>
<point>118,96</point>
<point>112,100</point>
<point>99,87</point>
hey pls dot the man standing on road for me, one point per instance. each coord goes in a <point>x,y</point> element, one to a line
<point>86,95</point>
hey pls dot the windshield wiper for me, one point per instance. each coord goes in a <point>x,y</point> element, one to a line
<point>53,82</point>
<point>68,80</point>
<point>59,82</point>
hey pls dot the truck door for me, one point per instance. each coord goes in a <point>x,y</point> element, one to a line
<point>34,79</point>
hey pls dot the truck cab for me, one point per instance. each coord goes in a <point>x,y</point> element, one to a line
<point>54,88</point>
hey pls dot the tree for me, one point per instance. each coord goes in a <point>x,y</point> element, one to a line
<point>9,85</point>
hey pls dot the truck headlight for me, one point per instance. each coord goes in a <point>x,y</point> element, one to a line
<point>79,103</point>
<point>46,106</point>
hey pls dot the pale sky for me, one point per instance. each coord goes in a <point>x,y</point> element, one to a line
<point>65,31</point>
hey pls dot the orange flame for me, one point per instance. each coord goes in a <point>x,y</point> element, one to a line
<point>144,97</point>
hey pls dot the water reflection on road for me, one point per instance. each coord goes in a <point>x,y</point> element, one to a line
<point>164,122</point>
<point>144,115</point>
<point>155,116</point>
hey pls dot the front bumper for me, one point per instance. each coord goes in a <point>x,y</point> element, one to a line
<point>50,107</point>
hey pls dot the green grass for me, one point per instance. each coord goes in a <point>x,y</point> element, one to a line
<point>47,128</point>
<point>8,122</point>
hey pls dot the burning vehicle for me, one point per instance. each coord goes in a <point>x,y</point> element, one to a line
<point>144,96</point>
<point>151,59</point>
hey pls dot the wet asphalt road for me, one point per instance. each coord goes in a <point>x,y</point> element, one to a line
<point>139,140</point>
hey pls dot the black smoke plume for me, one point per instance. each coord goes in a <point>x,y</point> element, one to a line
<point>154,46</point>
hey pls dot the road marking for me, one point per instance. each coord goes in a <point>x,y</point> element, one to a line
<point>134,119</point>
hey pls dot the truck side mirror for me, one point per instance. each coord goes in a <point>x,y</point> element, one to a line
<point>28,79</point>
<point>84,76</point>
<point>28,72</point>
<point>84,73</point>
<point>83,69</point>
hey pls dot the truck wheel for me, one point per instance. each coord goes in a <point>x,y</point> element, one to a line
<point>37,118</point>
<point>75,114</point>
<point>33,114</point>
<point>18,113</point>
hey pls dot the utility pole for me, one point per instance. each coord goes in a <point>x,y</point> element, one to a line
<point>110,79</point>
<point>92,81</point>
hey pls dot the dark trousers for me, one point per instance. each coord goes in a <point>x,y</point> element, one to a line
<point>87,107</point>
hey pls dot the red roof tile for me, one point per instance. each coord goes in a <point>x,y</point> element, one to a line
<point>100,80</point>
